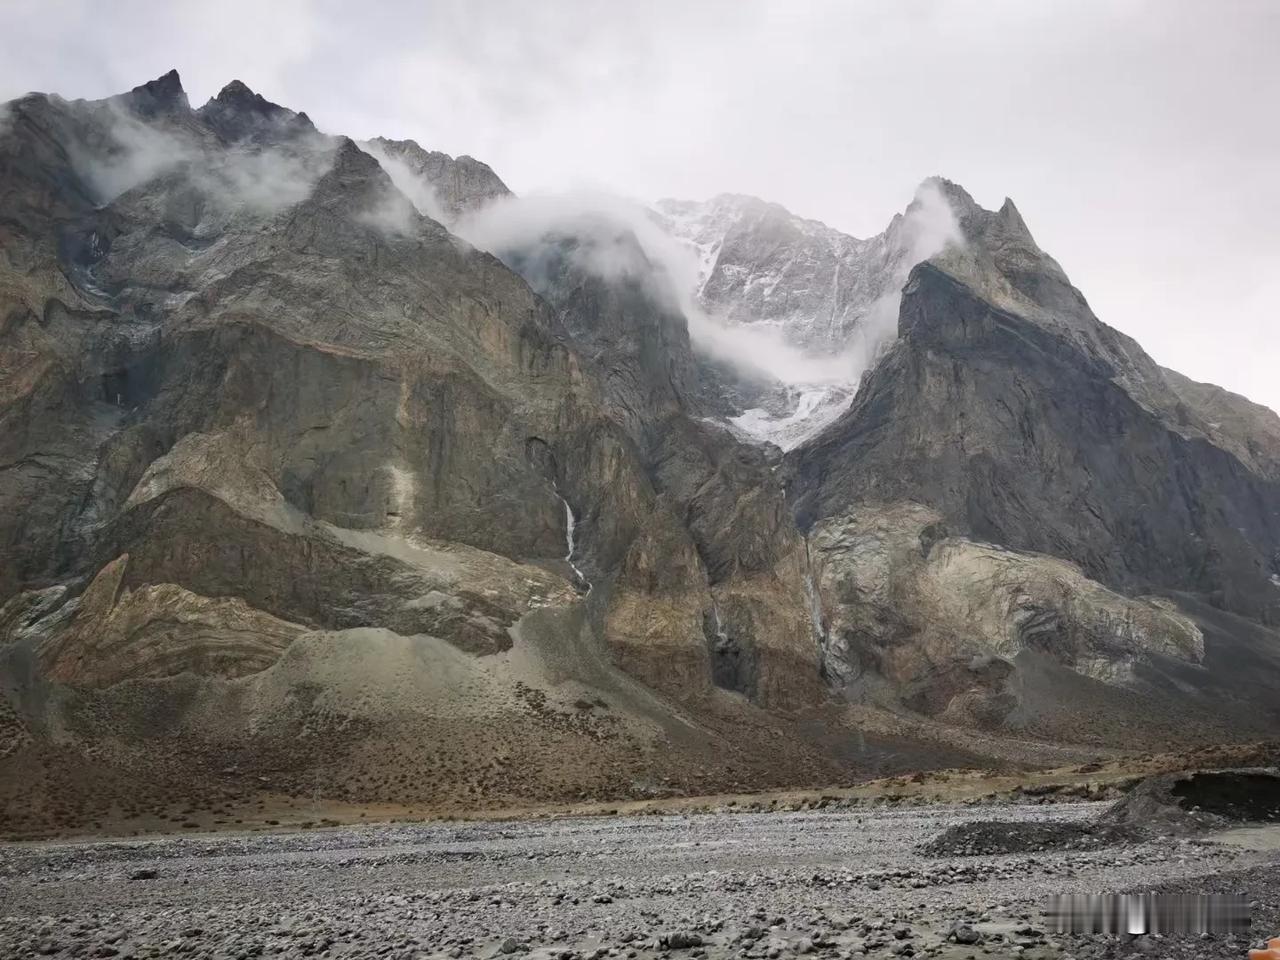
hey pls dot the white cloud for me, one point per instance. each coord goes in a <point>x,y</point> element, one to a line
<point>267,179</point>
<point>393,214</point>
<point>420,192</point>
<point>623,238</point>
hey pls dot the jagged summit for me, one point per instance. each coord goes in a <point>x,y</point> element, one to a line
<point>1003,227</point>
<point>237,91</point>
<point>1012,217</point>
<point>741,205</point>
<point>162,95</point>
<point>420,155</point>
<point>238,113</point>
<point>238,96</point>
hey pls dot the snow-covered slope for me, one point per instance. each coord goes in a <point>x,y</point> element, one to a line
<point>782,281</point>
<point>762,264</point>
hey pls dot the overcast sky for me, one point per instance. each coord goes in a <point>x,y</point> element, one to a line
<point>1138,137</point>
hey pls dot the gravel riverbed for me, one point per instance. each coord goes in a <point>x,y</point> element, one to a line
<point>838,884</point>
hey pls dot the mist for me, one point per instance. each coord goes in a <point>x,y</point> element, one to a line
<point>260,179</point>
<point>928,227</point>
<point>392,214</point>
<point>416,188</point>
<point>612,237</point>
<point>612,230</point>
<point>619,238</point>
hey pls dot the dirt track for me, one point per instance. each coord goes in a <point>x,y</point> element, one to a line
<point>745,885</point>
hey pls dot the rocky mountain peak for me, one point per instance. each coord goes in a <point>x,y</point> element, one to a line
<point>163,95</point>
<point>352,182</point>
<point>237,91</point>
<point>238,113</point>
<point>978,225</point>
<point>746,203</point>
<point>1012,218</point>
<point>350,161</point>
<point>961,200</point>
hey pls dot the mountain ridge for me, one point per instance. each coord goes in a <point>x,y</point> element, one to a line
<point>297,481</point>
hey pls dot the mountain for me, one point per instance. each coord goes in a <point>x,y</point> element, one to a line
<point>334,468</point>
<point>1006,413</point>
<point>816,306</point>
<point>439,185</point>
<point>1072,442</point>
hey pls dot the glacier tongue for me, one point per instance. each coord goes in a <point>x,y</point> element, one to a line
<point>816,406</point>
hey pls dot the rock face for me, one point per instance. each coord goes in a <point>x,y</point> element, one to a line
<point>1009,408</point>
<point>266,426</point>
<point>718,543</point>
<point>237,114</point>
<point>440,186</point>
<point>160,630</point>
<point>967,631</point>
<point>296,482</point>
<point>1007,414</point>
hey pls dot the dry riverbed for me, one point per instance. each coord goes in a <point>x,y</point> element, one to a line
<point>823,883</point>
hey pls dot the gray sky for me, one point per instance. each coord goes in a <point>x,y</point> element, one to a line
<point>1138,137</point>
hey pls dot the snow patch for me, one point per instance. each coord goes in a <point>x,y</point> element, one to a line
<point>816,407</point>
<point>788,300</point>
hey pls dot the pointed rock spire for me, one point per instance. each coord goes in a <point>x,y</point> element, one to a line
<point>237,113</point>
<point>163,95</point>
<point>1011,219</point>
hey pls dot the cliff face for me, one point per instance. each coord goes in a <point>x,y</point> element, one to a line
<point>440,186</point>
<point>1005,413</point>
<point>295,481</point>
<point>1008,407</point>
